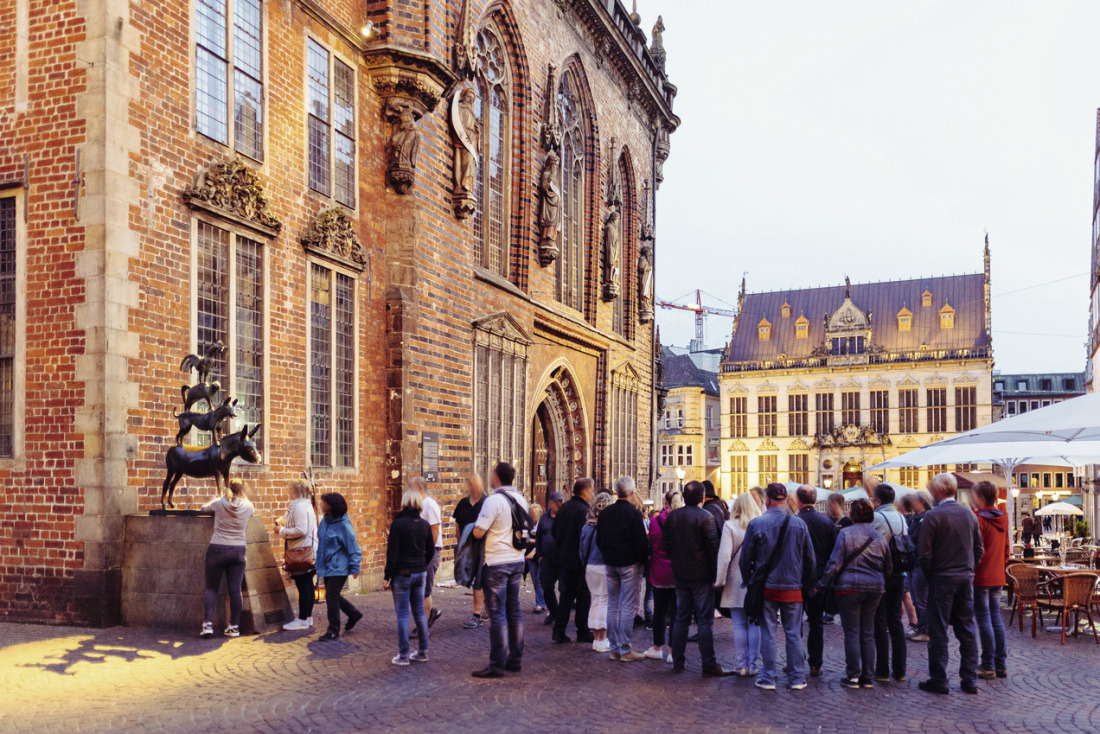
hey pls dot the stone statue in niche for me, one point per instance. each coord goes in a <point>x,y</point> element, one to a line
<point>612,247</point>
<point>549,208</point>
<point>645,283</point>
<point>661,149</point>
<point>404,144</point>
<point>467,137</point>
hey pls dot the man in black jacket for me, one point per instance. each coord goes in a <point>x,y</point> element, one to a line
<point>822,537</point>
<point>691,543</point>
<point>718,508</point>
<point>622,539</point>
<point>949,550</point>
<point>546,555</point>
<point>567,536</point>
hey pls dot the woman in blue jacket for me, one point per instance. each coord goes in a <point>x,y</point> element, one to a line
<point>338,556</point>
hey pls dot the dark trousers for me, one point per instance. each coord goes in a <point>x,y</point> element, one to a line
<point>304,583</point>
<point>815,617</point>
<point>664,613</point>
<point>697,598</point>
<point>857,615</point>
<point>574,591</point>
<point>889,631</point>
<point>336,603</point>
<point>951,602</point>
<point>227,561</point>
<point>549,571</point>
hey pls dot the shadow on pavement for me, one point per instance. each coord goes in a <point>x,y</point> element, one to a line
<point>122,644</point>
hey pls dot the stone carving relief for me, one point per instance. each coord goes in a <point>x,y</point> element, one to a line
<point>646,233</point>
<point>232,189</point>
<point>612,248</point>
<point>466,61</point>
<point>645,283</point>
<point>467,135</point>
<point>403,146</point>
<point>551,130</point>
<point>549,208</point>
<point>332,235</point>
<point>614,179</point>
<point>662,150</point>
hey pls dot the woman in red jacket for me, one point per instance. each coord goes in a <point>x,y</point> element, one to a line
<point>989,579</point>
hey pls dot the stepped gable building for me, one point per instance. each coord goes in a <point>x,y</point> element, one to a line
<point>425,238</point>
<point>688,427</point>
<point>818,384</point>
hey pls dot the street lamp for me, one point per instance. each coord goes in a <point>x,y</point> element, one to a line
<point>680,474</point>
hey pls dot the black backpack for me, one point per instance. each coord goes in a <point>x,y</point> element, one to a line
<point>521,524</point>
<point>903,551</point>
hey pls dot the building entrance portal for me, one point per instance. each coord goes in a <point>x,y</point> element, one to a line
<point>558,438</point>
<point>853,474</point>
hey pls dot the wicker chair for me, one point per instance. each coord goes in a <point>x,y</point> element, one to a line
<point>1078,591</point>
<point>1025,580</point>
<point>1080,556</point>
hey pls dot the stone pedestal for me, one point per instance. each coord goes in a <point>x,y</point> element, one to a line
<point>163,576</point>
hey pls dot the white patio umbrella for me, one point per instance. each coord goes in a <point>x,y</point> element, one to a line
<point>1060,508</point>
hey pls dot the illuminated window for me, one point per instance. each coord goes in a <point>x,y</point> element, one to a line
<point>798,468</point>
<point>905,319</point>
<point>739,473</point>
<point>768,466</point>
<point>801,328</point>
<point>764,329</point>
<point>947,317</point>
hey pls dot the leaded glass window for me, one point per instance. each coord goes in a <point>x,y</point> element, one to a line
<point>493,109</point>
<point>624,425</point>
<point>331,367</point>
<point>331,125</point>
<point>571,260</point>
<point>229,74</point>
<point>7,326</point>
<point>500,393</point>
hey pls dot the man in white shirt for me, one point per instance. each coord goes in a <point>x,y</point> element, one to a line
<point>434,516</point>
<point>502,573</point>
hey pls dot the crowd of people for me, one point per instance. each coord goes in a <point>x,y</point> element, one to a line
<point>600,560</point>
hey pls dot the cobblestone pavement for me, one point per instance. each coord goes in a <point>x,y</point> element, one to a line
<point>66,679</point>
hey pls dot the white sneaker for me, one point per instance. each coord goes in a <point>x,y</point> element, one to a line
<point>398,660</point>
<point>668,656</point>
<point>297,624</point>
<point>308,623</point>
<point>654,653</point>
<point>207,629</point>
<point>602,645</point>
<point>232,631</point>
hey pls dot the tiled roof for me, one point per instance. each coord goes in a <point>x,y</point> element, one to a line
<point>964,293</point>
<point>680,371</point>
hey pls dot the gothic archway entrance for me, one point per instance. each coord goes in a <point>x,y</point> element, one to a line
<point>853,474</point>
<point>559,439</point>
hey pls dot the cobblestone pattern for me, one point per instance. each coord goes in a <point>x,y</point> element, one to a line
<point>66,679</point>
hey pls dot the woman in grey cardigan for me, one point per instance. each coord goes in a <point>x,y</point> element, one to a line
<point>856,573</point>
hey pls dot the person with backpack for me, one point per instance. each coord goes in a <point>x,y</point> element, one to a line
<point>505,526</point>
<point>622,539</point>
<point>889,628</point>
<point>856,575</point>
<point>989,579</point>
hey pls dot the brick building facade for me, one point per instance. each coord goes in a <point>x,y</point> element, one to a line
<point>282,175</point>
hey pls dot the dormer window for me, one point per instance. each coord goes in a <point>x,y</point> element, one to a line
<point>786,310</point>
<point>802,327</point>
<point>926,298</point>
<point>947,317</point>
<point>905,319</point>
<point>764,329</point>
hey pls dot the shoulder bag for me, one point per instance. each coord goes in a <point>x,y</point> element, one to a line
<point>754,593</point>
<point>829,601</point>
<point>299,560</point>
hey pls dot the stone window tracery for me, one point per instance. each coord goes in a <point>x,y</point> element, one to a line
<point>492,105</point>
<point>624,424</point>
<point>500,394</point>
<point>571,262</point>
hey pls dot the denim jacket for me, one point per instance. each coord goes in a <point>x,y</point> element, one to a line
<point>865,572</point>
<point>795,563</point>
<point>338,552</point>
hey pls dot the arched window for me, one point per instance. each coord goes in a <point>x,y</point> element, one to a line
<point>571,262</point>
<point>493,108</point>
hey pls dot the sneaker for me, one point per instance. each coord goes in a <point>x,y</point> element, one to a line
<point>654,653</point>
<point>354,620</point>
<point>882,678</point>
<point>232,631</point>
<point>297,624</point>
<point>866,683</point>
<point>919,638</point>
<point>851,683</point>
<point>741,672</point>
<point>668,658</point>
<point>798,686</point>
<point>986,673</point>
<point>329,636</point>
<point>1002,673</point>
<point>603,645</point>
<point>436,614</point>
<point>207,629</point>
<point>632,657</point>
<point>912,632</point>
<point>308,623</point>
<point>472,623</point>
<point>419,657</point>
<point>900,678</point>
<point>764,686</point>
<point>399,660</point>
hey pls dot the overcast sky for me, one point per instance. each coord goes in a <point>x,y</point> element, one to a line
<point>881,140</point>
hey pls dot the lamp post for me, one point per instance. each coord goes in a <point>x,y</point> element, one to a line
<point>680,474</point>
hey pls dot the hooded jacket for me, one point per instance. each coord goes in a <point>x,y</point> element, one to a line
<point>338,551</point>
<point>993,525</point>
<point>231,518</point>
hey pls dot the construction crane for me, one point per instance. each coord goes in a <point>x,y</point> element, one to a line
<point>701,313</point>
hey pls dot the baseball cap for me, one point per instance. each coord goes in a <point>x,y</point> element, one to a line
<point>776,491</point>
<point>555,497</point>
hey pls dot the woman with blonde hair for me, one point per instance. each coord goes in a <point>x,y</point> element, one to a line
<point>746,637</point>
<point>595,573</point>
<point>298,529</point>
<point>225,555</point>
<point>409,550</point>
<point>465,515</point>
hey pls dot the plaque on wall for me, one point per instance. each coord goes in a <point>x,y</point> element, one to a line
<point>429,456</point>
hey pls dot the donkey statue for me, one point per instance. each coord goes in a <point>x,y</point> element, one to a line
<point>213,461</point>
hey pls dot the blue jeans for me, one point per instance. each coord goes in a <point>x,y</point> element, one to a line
<point>228,561</point>
<point>746,640</point>
<point>500,584</point>
<point>791,614</point>
<point>697,599</point>
<point>918,588</point>
<point>533,571</point>
<point>951,601</point>
<point>857,615</point>
<point>408,589</point>
<point>991,626</point>
<point>622,601</point>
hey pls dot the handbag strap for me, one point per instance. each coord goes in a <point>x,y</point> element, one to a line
<point>767,568</point>
<point>851,557</point>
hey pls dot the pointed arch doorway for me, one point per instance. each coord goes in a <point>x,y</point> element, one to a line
<point>559,438</point>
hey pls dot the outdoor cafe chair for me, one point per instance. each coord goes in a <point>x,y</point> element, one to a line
<point>1025,579</point>
<point>1078,590</point>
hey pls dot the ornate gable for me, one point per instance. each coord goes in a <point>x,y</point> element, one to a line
<point>908,381</point>
<point>824,384</point>
<point>965,379</point>
<point>936,380</point>
<point>737,390</point>
<point>233,191</point>
<point>848,317</point>
<point>502,332</point>
<point>908,443</point>
<point>798,445</point>
<point>332,236</point>
<point>768,445</point>
<point>798,386</point>
<point>850,385</point>
<point>879,382</point>
<point>766,389</point>
<point>737,445</point>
